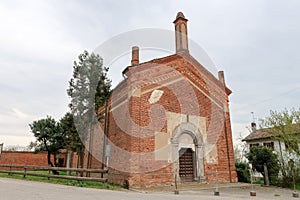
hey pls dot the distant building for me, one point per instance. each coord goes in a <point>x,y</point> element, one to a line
<point>264,138</point>
<point>194,141</point>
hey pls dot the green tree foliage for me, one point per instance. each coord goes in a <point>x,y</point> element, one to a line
<point>285,126</point>
<point>72,139</point>
<point>243,172</point>
<point>89,86</point>
<point>260,155</point>
<point>49,137</point>
<point>88,89</point>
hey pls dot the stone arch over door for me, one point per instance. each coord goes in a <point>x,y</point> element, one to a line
<point>189,130</point>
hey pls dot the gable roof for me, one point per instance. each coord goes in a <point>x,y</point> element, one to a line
<point>188,57</point>
<point>257,135</point>
<point>267,133</point>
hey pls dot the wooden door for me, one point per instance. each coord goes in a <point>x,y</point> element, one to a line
<point>186,165</point>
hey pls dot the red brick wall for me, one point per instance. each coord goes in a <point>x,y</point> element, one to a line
<point>24,158</point>
<point>30,158</point>
<point>212,106</point>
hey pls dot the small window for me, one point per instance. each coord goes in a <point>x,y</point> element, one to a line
<point>269,144</point>
<point>254,145</point>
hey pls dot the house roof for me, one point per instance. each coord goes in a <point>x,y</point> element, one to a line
<point>257,135</point>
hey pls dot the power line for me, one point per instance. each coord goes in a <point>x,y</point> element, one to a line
<point>270,99</point>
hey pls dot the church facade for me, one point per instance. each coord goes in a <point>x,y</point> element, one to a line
<point>169,120</point>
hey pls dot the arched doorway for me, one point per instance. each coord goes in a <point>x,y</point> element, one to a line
<point>188,153</point>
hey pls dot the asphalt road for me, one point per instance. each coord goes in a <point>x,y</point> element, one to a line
<point>11,189</point>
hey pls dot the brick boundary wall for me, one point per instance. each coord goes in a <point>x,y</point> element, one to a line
<point>31,158</point>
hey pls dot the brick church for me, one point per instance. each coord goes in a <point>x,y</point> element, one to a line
<point>168,120</point>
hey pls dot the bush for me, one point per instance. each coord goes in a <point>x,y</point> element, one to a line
<point>287,180</point>
<point>243,173</point>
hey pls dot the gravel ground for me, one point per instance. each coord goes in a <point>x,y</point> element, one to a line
<point>12,189</point>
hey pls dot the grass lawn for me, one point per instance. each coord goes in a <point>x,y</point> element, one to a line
<point>88,184</point>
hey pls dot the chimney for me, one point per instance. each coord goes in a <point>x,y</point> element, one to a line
<point>221,77</point>
<point>135,56</point>
<point>253,127</point>
<point>181,33</point>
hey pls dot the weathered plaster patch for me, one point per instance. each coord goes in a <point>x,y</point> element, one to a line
<point>186,141</point>
<point>162,146</point>
<point>155,96</point>
<point>212,154</point>
<point>135,93</point>
<point>175,119</point>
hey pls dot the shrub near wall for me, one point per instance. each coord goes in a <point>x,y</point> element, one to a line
<point>243,173</point>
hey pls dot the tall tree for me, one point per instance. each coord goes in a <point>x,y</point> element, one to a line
<point>88,89</point>
<point>49,137</point>
<point>285,126</point>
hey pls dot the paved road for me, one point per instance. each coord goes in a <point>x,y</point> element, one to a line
<point>11,189</point>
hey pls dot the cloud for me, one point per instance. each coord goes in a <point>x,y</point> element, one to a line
<point>240,131</point>
<point>254,42</point>
<point>19,114</point>
<point>8,140</point>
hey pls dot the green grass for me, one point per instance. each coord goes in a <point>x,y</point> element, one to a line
<point>259,181</point>
<point>88,184</point>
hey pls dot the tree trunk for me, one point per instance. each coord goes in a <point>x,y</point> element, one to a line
<point>69,161</point>
<point>51,164</point>
<point>81,161</point>
<point>49,158</point>
<point>282,165</point>
<point>55,160</point>
<point>267,180</point>
<point>90,149</point>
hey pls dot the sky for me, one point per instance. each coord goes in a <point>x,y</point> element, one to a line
<point>255,42</point>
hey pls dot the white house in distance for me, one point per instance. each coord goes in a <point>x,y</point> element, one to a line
<point>258,137</point>
<point>261,137</point>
